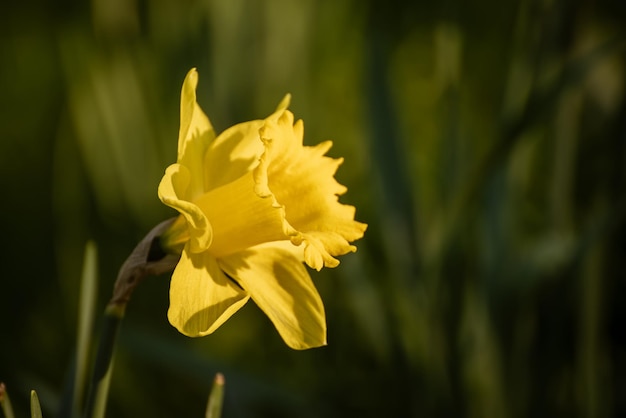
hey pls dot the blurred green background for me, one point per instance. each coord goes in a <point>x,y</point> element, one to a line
<point>485,146</point>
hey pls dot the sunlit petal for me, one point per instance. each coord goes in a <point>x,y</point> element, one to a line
<point>301,179</point>
<point>195,134</point>
<point>233,153</point>
<point>173,188</point>
<point>202,297</point>
<point>255,204</point>
<point>245,219</point>
<point>280,285</point>
<point>237,150</point>
<point>283,105</point>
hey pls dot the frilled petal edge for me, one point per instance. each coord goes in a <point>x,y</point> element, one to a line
<point>202,297</point>
<point>278,282</point>
<point>301,180</point>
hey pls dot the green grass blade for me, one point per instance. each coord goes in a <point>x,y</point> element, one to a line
<point>5,402</point>
<point>35,407</point>
<point>216,398</point>
<point>86,313</point>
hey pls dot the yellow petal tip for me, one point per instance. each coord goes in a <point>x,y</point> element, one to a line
<point>284,103</point>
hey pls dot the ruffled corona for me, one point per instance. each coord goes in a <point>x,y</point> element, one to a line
<point>254,203</point>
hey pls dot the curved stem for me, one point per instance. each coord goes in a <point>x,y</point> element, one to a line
<point>147,259</point>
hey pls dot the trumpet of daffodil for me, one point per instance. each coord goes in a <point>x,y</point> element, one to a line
<point>255,205</point>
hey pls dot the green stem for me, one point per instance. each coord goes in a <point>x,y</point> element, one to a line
<point>99,387</point>
<point>147,259</point>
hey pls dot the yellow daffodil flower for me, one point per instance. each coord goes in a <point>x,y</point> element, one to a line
<point>255,204</point>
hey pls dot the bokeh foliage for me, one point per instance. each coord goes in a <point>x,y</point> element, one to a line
<point>484,145</point>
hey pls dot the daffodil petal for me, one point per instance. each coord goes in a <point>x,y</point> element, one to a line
<point>278,282</point>
<point>245,219</point>
<point>301,179</point>
<point>284,104</point>
<point>173,188</point>
<point>195,135</point>
<point>237,150</point>
<point>202,297</point>
<point>233,153</point>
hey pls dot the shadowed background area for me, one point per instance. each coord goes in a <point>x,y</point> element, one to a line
<point>484,144</point>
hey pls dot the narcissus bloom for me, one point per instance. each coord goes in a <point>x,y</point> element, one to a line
<point>255,204</point>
